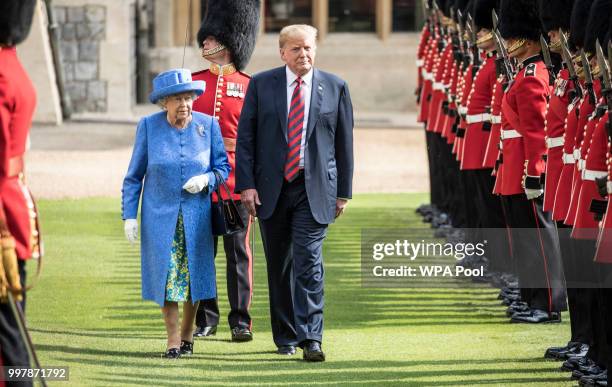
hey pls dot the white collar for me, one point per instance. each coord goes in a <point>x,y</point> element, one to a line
<point>291,77</point>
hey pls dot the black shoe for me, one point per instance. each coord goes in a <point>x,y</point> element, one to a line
<point>186,348</point>
<point>241,334</point>
<point>205,331</point>
<point>575,363</point>
<point>312,351</point>
<point>559,353</point>
<point>172,353</point>
<point>286,350</point>
<point>537,316</point>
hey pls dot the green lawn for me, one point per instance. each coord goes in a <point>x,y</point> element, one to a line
<point>86,313</point>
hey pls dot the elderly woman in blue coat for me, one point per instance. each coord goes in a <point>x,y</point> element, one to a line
<point>175,157</point>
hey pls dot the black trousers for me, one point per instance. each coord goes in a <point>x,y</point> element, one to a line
<point>487,209</point>
<point>293,242</point>
<point>578,298</point>
<point>239,275</point>
<point>12,345</point>
<point>536,252</point>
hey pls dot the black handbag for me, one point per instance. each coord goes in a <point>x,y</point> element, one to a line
<point>226,219</point>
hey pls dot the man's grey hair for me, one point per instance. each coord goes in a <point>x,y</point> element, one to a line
<point>294,30</point>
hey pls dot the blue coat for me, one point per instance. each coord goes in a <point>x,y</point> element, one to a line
<point>165,158</point>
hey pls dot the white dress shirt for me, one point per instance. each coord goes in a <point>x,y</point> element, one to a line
<point>307,87</point>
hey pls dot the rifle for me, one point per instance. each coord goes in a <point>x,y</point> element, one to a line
<point>607,82</point>
<point>474,46</point>
<point>569,63</point>
<point>547,60</point>
<point>588,75</point>
<point>503,63</point>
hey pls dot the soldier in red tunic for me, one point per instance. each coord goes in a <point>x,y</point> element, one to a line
<point>534,238</point>
<point>19,237</point>
<point>227,38</point>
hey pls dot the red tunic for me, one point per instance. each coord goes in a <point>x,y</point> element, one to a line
<point>17,104</point>
<point>464,94</point>
<point>555,128</point>
<point>596,145</point>
<point>438,95</point>
<point>492,152</point>
<point>421,53</point>
<point>581,131</point>
<point>220,100</point>
<point>427,74</point>
<point>478,104</point>
<point>524,106</point>
<point>604,241</point>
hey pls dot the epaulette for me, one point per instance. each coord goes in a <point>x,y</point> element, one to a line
<point>530,70</point>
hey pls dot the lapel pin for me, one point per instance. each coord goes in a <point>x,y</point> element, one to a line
<point>201,130</point>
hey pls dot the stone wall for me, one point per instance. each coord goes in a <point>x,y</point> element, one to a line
<point>82,28</point>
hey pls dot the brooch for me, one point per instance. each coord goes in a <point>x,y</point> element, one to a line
<point>200,129</point>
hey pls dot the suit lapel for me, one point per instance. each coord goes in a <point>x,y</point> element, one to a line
<point>316,97</point>
<point>281,100</point>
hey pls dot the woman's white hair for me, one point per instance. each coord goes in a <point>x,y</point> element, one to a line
<point>163,100</point>
<point>294,30</point>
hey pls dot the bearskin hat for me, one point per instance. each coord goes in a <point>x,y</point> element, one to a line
<point>555,14</point>
<point>15,21</point>
<point>235,24</point>
<point>580,13</point>
<point>598,24</point>
<point>519,19</point>
<point>482,11</point>
<point>460,5</point>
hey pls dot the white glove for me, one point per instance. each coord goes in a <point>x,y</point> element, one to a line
<point>131,230</point>
<point>533,193</point>
<point>196,184</point>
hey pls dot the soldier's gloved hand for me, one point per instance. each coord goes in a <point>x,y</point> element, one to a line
<point>533,193</point>
<point>130,226</point>
<point>533,187</point>
<point>196,184</point>
<point>11,269</point>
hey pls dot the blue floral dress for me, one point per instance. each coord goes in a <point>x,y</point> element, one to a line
<point>177,284</point>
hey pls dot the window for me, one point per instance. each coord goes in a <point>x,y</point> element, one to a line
<point>404,16</point>
<point>280,13</point>
<point>352,15</point>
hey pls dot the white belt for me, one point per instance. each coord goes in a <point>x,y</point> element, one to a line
<point>511,133</point>
<point>554,142</point>
<point>568,158</point>
<point>609,186</point>
<point>476,118</point>
<point>420,62</point>
<point>496,119</point>
<point>577,154</point>
<point>438,86</point>
<point>462,110</point>
<point>590,175</point>
<point>580,163</point>
<point>427,75</point>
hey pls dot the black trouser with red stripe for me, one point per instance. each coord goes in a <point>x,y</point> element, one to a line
<point>536,251</point>
<point>239,280</point>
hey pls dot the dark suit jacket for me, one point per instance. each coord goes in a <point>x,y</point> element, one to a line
<point>262,142</point>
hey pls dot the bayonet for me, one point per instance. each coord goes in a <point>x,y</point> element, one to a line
<point>569,63</point>
<point>603,66</point>
<point>547,60</point>
<point>588,76</point>
<point>475,52</point>
<point>503,54</point>
<point>495,19</point>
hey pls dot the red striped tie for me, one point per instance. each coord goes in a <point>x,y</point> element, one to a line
<point>295,125</point>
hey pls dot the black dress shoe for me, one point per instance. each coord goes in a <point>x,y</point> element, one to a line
<point>575,363</point>
<point>205,331</point>
<point>186,348</point>
<point>537,316</point>
<point>241,334</point>
<point>286,350</point>
<point>172,353</point>
<point>559,353</point>
<point>312,351</point>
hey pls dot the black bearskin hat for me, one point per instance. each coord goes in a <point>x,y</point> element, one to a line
<point>15,20</point>
<point>597,26</point>
<point>445,6</point>
<point>556,14</point>
<point>580,14</point>
<point>460,5</point>
<point>234,23</point>
<point>482,12</point>
<point>519,19</point>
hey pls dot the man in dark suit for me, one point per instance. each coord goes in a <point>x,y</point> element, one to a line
<point>294,170</point>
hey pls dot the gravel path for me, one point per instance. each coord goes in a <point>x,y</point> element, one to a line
<point>79,160</point>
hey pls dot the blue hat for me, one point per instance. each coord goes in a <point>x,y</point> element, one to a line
<point>175,81</point>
